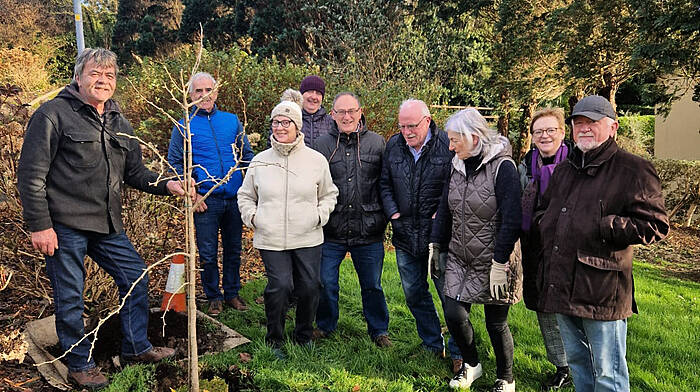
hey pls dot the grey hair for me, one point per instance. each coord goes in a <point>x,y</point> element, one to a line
<point>198,76</point>
<point>423,107</point>
<point>609,121</point>
<point>469,123</point>
<point>102,57</point>
<point>344,93</point>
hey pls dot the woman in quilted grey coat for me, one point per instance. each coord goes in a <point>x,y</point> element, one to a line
<point>481,206</point>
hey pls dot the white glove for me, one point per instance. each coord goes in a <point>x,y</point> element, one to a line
<point>433,259</point>
<point>498,280</point>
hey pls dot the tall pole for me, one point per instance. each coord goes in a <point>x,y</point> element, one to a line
<point>78,12</point>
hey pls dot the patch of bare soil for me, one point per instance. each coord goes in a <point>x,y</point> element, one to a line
<point>17,309</point>
<point>109,338</point>
<point>678,253</point>
<point>24,377</point>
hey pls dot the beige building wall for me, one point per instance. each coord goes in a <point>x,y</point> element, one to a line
<point>678,135</point>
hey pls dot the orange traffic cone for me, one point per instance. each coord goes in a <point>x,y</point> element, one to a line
<point>174,296</point>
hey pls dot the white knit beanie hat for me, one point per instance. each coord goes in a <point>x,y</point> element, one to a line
<point>290,107</point>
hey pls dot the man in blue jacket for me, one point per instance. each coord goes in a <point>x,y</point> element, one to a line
<point>415,167</point>
<point>219,148</point>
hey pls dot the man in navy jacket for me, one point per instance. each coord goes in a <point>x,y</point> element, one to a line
<point>219,148</point>
<point>415,167</point>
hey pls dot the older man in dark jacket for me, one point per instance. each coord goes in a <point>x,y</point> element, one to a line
<point>415,168</point>
<point>357,224</point>
<point>600,202</point>
<point>77,154</point>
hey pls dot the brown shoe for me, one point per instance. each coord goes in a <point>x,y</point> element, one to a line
<point>456,365</point>
<point>382,341</point>
<point>91,379</point>
<point>237,303</point>
<point>318,334</point>
<point>215,308</point>
<point>156,354</point>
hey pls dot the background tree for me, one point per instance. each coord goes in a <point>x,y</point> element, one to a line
<point>598,38</point>
<point>99,17</point>
<point>670,38</point>
<point>146,27</point>
<point>526,61</point>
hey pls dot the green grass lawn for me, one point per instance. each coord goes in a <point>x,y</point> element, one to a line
<point>663,344</point>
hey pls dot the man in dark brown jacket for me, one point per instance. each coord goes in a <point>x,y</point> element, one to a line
<point>599,203</point>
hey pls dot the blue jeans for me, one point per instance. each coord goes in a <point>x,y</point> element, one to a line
<point>66,270</point>
<point>220,214</point>
<point>368,261</point>
<point>414,280</point>
<point>596,353</point>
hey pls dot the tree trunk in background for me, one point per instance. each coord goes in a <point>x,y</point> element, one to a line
<point>524,138</point>
<point>504,118</point>
<point>574,98</point>
<point>610,90</point>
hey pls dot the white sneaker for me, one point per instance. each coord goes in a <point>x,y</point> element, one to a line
<point>466,376</point>
<point>503,386</point>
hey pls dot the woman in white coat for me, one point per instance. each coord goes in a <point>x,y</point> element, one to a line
<point>286,197</point>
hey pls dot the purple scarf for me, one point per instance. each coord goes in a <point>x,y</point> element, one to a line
<point>540,180</point>
<point>542,173</point>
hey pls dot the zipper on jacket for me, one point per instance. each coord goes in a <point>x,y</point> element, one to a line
<point>464,248</point>
<point>286,196</point>
<point>216,144</point>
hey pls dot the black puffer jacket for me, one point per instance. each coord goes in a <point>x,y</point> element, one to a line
<point>414,189</point>
<point>357,218</point>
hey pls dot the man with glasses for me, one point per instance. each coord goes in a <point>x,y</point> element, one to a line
<point>219,145</point>
<point>416,166</point>
<point>600,202</point>
<point>357,224</point>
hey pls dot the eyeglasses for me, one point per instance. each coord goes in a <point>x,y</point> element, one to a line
<point>411,127</point>
<point>282,123</point>
<point>342,112</point>
<point>548,131</point>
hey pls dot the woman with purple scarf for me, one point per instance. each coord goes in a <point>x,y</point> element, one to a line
<point>548,131</point>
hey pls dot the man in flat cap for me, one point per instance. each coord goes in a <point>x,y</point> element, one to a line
<point>600,202</point>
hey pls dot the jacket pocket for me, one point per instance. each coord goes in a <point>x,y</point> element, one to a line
<point>119,147</point>
<point>82,149</point>
<point>373,220</point>
<point>595,279</point>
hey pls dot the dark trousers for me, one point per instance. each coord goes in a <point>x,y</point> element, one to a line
<point>296,270</point>
<point>457,319</point>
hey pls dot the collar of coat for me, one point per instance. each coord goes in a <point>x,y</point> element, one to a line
<point>590,161</point>
<point>77,101</point>
<point>286,149</point>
